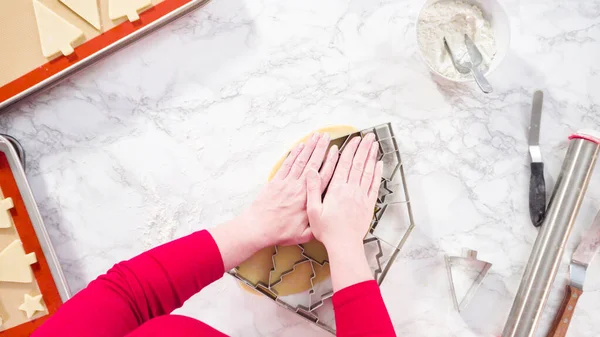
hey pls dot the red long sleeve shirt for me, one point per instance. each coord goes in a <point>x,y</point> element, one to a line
<point>135,297</point>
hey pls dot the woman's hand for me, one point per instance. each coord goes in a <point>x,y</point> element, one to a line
<point>279,212</point>
<point>342,219</point>
<point>278,215</point>
<point>347,210</point>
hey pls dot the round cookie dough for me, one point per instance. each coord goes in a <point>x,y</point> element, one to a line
<point>256,269</point>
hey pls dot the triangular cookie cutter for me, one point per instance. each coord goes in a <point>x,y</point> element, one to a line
<point>471,260</point>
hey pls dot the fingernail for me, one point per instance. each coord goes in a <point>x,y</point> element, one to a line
<point>333,151</point>
<point>370,136</point>
<point>326,136</point>
<point>375,148</point>
<point>315,136</point>
<point>300,146</point>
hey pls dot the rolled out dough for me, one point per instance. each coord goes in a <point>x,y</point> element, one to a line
<point>257,267</point>
<point>284,263</point>
<point>31,304</point>
<point>15,264</point>
<point>87,9</point>
<point>56,34</point>
<point>130,8</point>
<point>5,217</point>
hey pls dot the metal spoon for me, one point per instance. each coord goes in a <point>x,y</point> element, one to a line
<point>465,67</point>
<point>476,60</point>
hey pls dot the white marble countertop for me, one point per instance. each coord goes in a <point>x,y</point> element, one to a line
<point>177,133</point>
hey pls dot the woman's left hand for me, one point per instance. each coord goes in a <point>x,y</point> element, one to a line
<point>279,211</point>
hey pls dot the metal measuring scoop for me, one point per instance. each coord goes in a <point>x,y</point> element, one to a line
<point>471,65</point>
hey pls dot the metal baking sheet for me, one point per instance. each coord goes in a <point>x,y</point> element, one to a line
<point>36,219</point>
<point>29,84</point>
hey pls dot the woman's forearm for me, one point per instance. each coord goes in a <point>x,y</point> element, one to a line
<point>348,263</point>
<point>239,239</point>
<point>359,308</point>
<point>360,311</point>
<point>158,281</point>
<point>151,284</point>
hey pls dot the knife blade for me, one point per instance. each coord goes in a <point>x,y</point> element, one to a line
<point>580,261</point>
<point>537,183</point>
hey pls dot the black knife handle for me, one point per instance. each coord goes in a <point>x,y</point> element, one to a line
<point>537,194</point>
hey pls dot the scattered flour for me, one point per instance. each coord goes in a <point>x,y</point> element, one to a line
<point>163,216</point>
<point>165,219</point>
<point>453,19</point>
<point>160,227</point>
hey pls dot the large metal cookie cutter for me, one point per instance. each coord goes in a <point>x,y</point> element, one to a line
<point>391,225</point>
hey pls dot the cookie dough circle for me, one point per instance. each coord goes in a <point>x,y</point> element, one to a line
<point>256,269</point>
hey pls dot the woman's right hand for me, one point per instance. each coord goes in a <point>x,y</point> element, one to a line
<point>342,219</point>
<point>344,216</point>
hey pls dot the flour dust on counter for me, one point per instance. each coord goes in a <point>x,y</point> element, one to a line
<point>160,227</point>
<point>164,215</point>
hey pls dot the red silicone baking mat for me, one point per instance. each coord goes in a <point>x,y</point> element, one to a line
<point>44,283</point>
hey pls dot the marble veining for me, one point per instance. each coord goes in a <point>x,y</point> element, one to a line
<point>177,133</point>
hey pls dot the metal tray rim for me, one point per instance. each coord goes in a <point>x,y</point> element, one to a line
<point>36,219</point>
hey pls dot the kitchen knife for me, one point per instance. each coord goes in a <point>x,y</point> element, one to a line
<point>537,184</point>
<point>579,263</point>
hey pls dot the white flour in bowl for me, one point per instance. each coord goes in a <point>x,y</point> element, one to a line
<point>453,19</point>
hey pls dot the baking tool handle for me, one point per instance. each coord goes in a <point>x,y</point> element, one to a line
<point>537,194</point>
<point>565,312</point>
<point>481,80</point>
